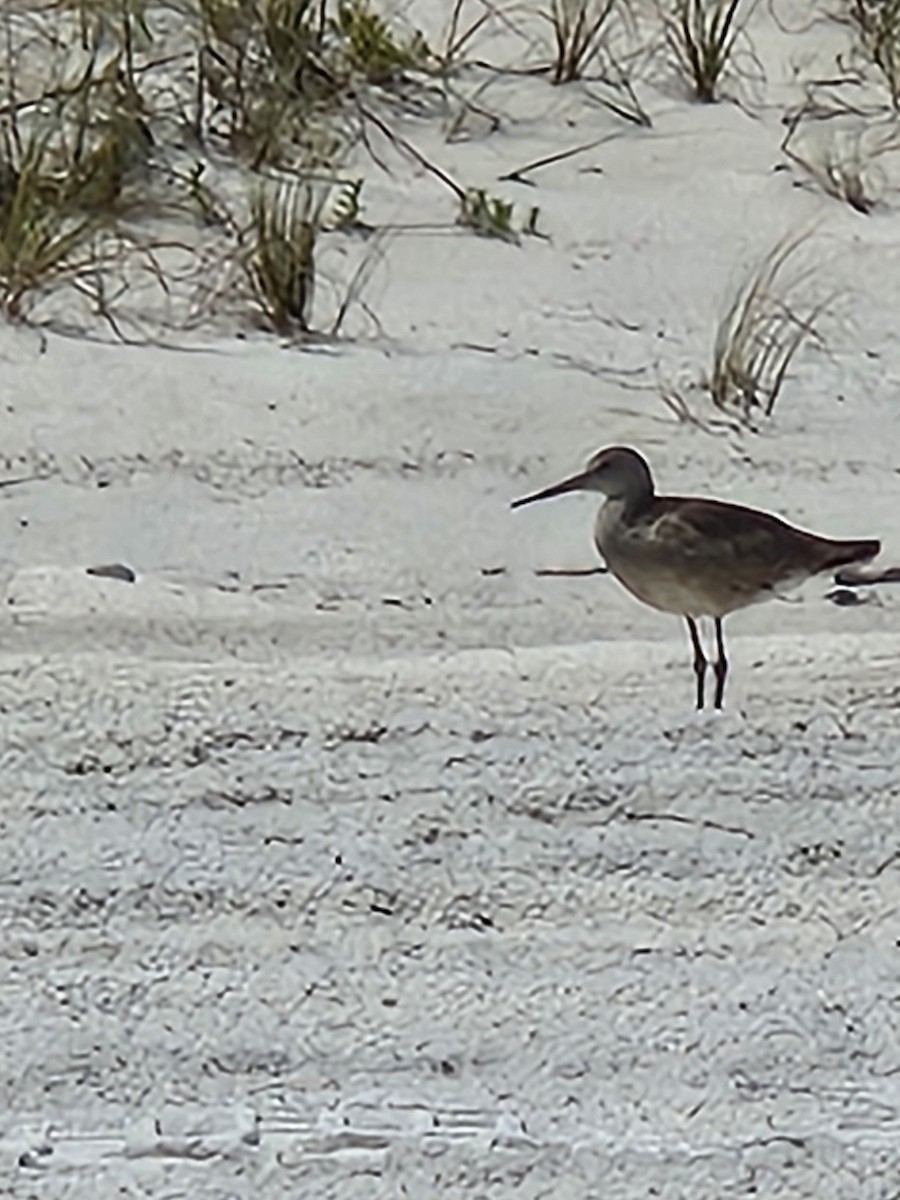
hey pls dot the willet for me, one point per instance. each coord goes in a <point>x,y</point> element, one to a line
<point>696,557</point>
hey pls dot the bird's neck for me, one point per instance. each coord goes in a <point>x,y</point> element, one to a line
<point>614,518</point>
<point>627,508</point>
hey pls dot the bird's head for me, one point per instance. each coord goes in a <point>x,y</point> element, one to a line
<point>618,472</point>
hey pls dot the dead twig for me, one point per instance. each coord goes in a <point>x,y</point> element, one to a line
<point>518,175</point>
<point>408,148</point>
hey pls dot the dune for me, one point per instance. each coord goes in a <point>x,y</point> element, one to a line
<point>365,841</point>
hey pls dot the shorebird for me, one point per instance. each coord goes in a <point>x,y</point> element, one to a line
<point>696,557</point>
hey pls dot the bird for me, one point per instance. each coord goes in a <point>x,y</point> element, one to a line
<point>696,557</point>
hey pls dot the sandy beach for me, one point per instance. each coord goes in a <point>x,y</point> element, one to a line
<point>352,851</point>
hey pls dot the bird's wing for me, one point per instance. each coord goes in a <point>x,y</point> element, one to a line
<point>728,536</point>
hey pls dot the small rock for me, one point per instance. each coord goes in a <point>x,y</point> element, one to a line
<point>844,597</point>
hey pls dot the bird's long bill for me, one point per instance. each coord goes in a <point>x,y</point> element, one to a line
<point>574,484</point>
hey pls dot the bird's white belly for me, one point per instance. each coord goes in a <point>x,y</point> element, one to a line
<point>664,591</point>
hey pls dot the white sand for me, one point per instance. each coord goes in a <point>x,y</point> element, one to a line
<point>345,855</point>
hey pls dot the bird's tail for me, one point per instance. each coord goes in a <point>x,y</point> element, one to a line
<point>841,554</point>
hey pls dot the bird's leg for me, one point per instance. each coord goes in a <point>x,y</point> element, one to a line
<point>721,664</point>
<point>700,663</point>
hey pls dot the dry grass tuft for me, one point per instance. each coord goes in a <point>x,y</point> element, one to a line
<point>846,160</point>
<point>579,30</point>
<point>286,218</point>
<point>762,331</point>
<point>42,241</point>
<point>371,49</point>
<point>277,72</point>
<point>877,23</point>
<point>64,166</point>
<point>701,35</point>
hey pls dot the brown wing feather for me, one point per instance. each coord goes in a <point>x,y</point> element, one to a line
<point>760,545</point>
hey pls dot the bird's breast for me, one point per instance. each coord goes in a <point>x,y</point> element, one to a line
<point>650,568</point>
